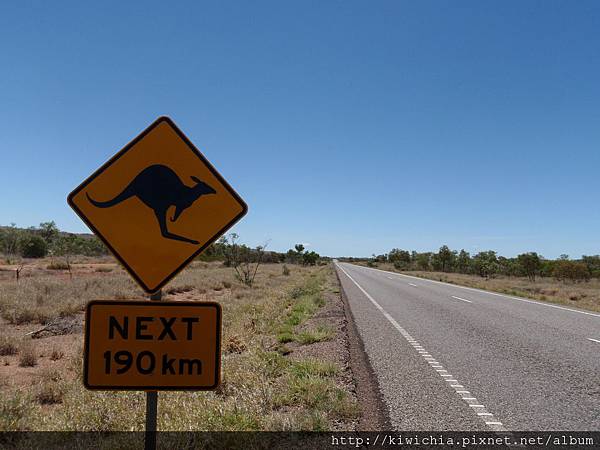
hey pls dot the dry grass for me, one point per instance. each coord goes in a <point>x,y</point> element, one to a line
<point>56,354</point>
<point>261,389</point>
<point>585,295</point>
<point>41,299</point>
<point>49,390</point>
<point>8,346</point>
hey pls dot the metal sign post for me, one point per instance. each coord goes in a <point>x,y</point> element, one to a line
<point>152,402</point>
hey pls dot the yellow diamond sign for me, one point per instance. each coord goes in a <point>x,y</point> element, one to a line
<point>157,204</point>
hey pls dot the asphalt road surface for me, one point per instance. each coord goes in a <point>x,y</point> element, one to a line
<point>454,358</point>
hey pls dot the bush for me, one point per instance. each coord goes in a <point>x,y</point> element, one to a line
<point>49,393</point>
<point>7,346</point>
<point>400,265</point>
<point>310,258</point>
<point>27,356</point>
<point>56,354</point>
<point>33,246</point>
<point>565,270</point>
<point>57,265</point>
<point>286,270</point>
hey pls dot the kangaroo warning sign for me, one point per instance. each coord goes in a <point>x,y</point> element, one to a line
<point>157,204</point>
<point>133,345</point>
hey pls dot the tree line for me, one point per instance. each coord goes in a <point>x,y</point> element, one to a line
<point>228,246</point>
<point>47,240</point>
<point>489,264</point>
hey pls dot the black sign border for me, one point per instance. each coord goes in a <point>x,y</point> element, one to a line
<point>88,316</point>
<point>106,165</point>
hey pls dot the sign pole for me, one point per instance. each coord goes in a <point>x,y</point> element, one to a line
<point>152,402</point>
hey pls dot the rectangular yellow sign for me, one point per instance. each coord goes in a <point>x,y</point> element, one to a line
<point>138,345</point>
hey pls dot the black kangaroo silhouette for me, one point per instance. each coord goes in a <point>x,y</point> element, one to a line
<point>159,188</point>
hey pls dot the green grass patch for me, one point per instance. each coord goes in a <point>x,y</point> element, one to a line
<point>304,302</point>
<point>313,367</point>
<point>319,334</point>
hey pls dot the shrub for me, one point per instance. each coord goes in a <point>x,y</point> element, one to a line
<point>27,356</point>
<point>57,265</point>
<point>33,246</point>
<point>310,258</point>
<point>56,354</point>
<point>7,346</point>
<point>49,393</point>
<point>566,270</point>
<point>286,270</point>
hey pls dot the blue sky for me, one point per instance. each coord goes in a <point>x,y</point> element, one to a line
<point>352,126</point>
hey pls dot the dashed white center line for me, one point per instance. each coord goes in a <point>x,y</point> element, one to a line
<point>487,292</point>
<point>462,299</point>
<point>459,388</point>
<point>594,340</point>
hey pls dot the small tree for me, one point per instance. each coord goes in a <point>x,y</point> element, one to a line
<point>593,264</point>
<point>32,246</point>
<point>423,260</point>
<point>530,264</point>
<point>486,263</point>
<point>244,260</point>
<point>463,261</point>
<point>446,258</point>
<point>10,242</point>
<point>66,247</point>
<point>49,231</point>
<point>574,271</point>
<point>310,258</point>
<point>399,258</point>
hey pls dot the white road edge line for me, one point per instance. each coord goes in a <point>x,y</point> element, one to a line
<point>481,290</point>
<point>408,337</point>
<point>594,340</point>
<point>463,299</point>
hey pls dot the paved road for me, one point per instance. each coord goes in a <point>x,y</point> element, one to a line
<point>454,358</point>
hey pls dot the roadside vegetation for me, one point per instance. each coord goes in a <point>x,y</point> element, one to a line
<point>282,368</point>
<point>21,248</point>
<point>574,282</point>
